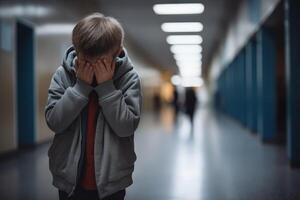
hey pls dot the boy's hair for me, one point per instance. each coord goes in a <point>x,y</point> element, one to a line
<point>97,34</point>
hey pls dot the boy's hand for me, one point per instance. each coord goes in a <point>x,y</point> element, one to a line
<point>84,71</point>
<point>104,70</point>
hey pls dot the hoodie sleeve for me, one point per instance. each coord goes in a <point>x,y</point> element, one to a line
<point>121,109</point>
<point>64,103</point>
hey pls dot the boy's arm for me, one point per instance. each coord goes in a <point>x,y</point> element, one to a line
<point>121,110</point>
<point>64,104</point>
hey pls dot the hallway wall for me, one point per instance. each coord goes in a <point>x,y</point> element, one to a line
<point>250,16</point>
<point>7,89</point>
<point>271,76</point>
<point>49,53</point>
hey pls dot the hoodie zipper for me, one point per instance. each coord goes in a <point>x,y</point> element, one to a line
<point>80,133</point>
<point>79,164</point>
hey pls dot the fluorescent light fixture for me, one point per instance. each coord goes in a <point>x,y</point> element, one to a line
<point>187,81</point>
<point>190,74</point>
<point>177,49</point>
<point>55,29</point>
<point>24,11</point>
<point>176,80</point>
<point>190,71</point>
<point>189,63</point>
<point>191,81</point>
<point>184,39</point>
<point>182,27</point>
<point>178,8</point>
<point>188,57</point>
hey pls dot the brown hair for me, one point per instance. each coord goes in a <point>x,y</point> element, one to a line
<point>97,34</point>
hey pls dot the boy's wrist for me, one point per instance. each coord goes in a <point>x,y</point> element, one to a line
<point>105,88</point>
<point>82,88</point>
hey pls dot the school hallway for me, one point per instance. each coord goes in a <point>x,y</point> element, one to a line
<point>231,65</point>
<point>219,160</point>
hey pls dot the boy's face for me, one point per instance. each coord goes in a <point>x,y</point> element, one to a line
<point>92,60</point>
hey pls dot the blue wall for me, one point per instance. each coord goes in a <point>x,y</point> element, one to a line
<point>247,88</point>
<point>292,49</point>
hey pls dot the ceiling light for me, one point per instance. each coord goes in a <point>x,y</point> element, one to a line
<point>187,70</point>
<point>177,49</point>
<point>184,39</point>
<point>191,81</point>
<point>178,9</point>
<point>55,29</point>
<point>184,57</point>
<point>182,27</point>
<point>190,73</point>
<point>24,10</point>
<point>187,81</point>
<point>176,80</point>
<point>189,63</point>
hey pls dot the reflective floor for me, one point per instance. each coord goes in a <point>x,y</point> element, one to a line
<point>217,159</point>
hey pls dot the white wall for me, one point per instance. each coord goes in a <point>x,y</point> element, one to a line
<point>49,53</point>
<point>8,139</point>
<point>150,77</point>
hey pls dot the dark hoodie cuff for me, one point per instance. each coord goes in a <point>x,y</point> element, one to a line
<point>82,88</point>
<point>105,88</point>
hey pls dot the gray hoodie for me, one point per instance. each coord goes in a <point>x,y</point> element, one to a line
<point>120,109</point>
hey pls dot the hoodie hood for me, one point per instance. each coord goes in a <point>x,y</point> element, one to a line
<point>123,63</point>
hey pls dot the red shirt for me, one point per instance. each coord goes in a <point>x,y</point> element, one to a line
<point>88,180</point>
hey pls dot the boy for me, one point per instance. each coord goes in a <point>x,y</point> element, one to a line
<point>94,106</point>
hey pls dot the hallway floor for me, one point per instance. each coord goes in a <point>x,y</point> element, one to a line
<point>217,160</point>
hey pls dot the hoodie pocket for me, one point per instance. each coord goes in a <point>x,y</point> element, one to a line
<point>122,158</point>
<point>126,154</point>
<point>122,155</point>
<point>59,151</point>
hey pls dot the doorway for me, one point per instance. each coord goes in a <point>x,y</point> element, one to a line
<point>25,84</point>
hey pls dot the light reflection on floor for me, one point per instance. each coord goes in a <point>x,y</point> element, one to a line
<point>166,117</point>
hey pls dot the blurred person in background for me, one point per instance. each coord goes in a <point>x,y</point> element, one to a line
<point>175,102</point>
<point>190,103</point>
<point>94,105</point>
<point>156,102</point>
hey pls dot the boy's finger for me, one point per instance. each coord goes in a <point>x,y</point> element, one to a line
<point>79,68</point>
<point>93,67</point>
<point>80,62</point>
<point>86,67</point>
<point>82,65</point>
<point>106,64</point>
<point>89,68</point>
<point>101,66</point>
<point>98,63</point>
<point>90,72</point>
<point>98,67</point>
<point>96,70</point>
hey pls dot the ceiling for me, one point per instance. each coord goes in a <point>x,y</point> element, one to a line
<point>141,25</point>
